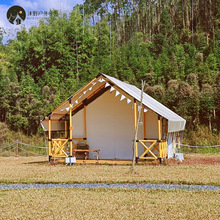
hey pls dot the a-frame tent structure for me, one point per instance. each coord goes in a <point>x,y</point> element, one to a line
<point>103,115</point>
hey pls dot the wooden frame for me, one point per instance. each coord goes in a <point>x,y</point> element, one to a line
<point>58,146</point>
<point>85,124</point>
<point>174,143</point>
<point>148,149</point>
<point>49,136</point>
<point>144,123</point>
<point>135,126</point>
<point>71,129</point>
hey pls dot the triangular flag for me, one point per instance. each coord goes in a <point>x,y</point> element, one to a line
<point>84,92</point>
<point>145,110</point>
<point>139,108</point>
<point>76,101</point>
<point>101,80</point>
<point>67,109</point>
<point>107,84</point>
<point>122,97</point>
<point>90,88</point>
<point>117,93</point>
<point>93,83</point>
<point>128,101</point>
<point>112,89</point>
<point>81,96</point>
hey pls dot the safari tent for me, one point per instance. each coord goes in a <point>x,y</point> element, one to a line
<point>103,116</point>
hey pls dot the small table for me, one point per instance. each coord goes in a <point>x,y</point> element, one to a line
<point>86,152</point>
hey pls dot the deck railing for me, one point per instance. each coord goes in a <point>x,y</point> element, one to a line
<point>156,150</point>
<point>59,146</point>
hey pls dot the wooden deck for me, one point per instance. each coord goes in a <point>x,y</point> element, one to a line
<point>102,162</point>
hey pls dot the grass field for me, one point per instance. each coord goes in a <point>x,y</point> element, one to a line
<point>37,170</point>
<point>108,204</point>
<point>100,203</point>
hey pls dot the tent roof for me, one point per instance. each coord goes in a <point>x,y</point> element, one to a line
<point>175,122</point>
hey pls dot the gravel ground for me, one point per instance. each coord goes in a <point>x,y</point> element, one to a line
<point>96,185</point>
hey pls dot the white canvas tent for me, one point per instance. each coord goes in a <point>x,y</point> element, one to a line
<point>103,114</point>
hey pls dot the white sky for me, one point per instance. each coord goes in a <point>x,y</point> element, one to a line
<point>30,5</point>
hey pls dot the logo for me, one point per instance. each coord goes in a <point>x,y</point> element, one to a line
<point>16,15</point>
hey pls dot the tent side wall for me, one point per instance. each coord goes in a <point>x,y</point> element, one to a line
<point>110,126</point>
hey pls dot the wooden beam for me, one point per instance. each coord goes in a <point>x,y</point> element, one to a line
<point>159,128</point>
<point>178,139</point>
<point>144,123</point>
<point>58,114</point>
<point>80,90</point>
<point>70,128</point>
<point>81,103</point>
<point>55,120</point>
<point>85,124</point>
<point>65,127</point>
<point>49,136</point>
<point>174,145</point>
<point>135,125</point>
<point>166,128</point>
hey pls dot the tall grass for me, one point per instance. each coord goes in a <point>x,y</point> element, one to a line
<point>22,150</point>
<point>202,136</point>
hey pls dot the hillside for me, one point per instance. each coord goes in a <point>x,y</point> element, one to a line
<point>173,45</point>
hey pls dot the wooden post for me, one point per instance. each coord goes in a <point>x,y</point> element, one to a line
<point>166,129</point>
<point>49,137</point>
<point>135,124</point>
<point>71,129</point>
<point>174,146</point>
<point>85,126</point>
<point>17,148</point>
<point>159,136</point>
<point>65,129</point>
<point>144,123</point>
<point>178,141</point>
<point>159,128</point>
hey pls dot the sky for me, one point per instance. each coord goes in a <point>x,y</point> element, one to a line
<point>43,6</point>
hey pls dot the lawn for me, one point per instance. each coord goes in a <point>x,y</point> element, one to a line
<point>37,170</point>
<point>102,203</point>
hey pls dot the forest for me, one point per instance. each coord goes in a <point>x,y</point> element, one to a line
<point>171,44</point>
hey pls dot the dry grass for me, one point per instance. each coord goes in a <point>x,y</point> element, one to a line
<point>108,204</point>
<point>37,170</point>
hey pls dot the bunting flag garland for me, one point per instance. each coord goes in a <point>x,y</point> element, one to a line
<point>117,93</point>
<point>128,101</point>
<point>107,84</point>
<point>101,80</point>
<point>122,97</point>
<point>81,96</point>
<point>112,89</point>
